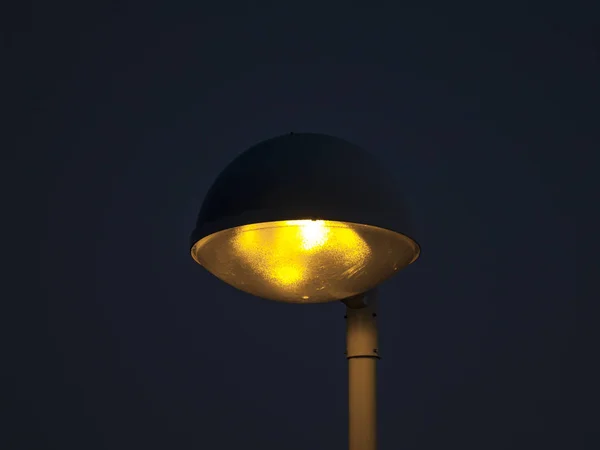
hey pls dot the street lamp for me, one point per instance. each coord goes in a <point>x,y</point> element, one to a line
<point>309,218</point>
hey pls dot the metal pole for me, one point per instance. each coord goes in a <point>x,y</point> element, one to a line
<point>362,353</point>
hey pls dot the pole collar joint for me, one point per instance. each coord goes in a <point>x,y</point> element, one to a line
<point>361,326</point>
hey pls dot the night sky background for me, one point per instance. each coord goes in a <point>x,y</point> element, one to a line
<point>119,115</point>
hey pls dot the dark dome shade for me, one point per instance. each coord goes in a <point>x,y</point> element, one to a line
<point>301,177</point>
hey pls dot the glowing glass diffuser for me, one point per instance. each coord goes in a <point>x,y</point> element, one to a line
<point>305,261</point>
<point>303,218</point>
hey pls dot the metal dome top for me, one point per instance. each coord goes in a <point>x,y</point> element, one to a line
<point>302,176</point>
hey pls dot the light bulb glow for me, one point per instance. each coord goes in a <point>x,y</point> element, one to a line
<point>313,233</point>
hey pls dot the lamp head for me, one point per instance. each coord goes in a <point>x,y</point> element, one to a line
<point>303,218</point>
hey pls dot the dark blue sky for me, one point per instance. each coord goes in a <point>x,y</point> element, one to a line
<point>121,116</point>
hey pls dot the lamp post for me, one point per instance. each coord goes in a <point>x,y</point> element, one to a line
<point>309,218</point>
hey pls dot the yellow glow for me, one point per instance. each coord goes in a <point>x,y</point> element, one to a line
<point>305,261</point>
<point>286,275</point>
<point>285,254</point>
